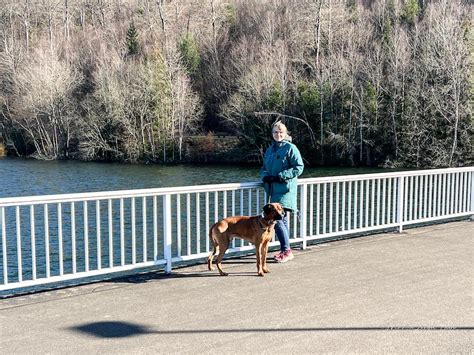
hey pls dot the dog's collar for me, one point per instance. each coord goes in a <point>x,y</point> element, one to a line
<point>264,225</point>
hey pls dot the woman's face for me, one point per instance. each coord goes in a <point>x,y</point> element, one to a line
<point>278,134</point>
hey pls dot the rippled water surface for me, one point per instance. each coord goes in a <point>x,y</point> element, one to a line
<point>24,177</point>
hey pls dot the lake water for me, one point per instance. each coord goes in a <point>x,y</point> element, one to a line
<point>25,177</point>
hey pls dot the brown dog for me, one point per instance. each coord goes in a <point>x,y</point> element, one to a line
<point>258,230</point>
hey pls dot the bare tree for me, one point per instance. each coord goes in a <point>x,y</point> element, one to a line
<point>42,103</point>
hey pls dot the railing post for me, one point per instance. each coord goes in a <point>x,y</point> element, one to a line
<point>167,231</point>
<point>401,203</point>
<point>303,213</point>
<point>4,245</point>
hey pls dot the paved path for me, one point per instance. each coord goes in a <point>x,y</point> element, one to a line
<point>389,293</point>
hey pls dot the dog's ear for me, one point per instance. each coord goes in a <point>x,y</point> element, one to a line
<point>268,208</point>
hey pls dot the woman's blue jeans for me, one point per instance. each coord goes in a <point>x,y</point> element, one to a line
<point>282,232</point>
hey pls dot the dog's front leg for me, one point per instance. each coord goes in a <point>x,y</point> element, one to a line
<point>258,248</point>
<point>264,257</point>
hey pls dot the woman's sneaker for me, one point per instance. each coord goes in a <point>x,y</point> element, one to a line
<point>278,256</point>
<point>286,256</point>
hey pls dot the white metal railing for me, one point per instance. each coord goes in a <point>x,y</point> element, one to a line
<point>63,237</point>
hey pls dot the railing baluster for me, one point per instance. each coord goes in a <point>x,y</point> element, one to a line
<point>250,202</point>
<point>318,210</point>
<point>178,223</point>
<point>465,197</point>
<point>324,207</point>
<point>411,199</point>
<point>367,193</point>
<point>304,212</point>
<point>356,199</point>
<point>233,203</point>
<point>349,207</point>
<point>384,202</point>
<point>331,200</point>
<point>198,222</point>
<point>392,207</point>
<point>337,207</point>
<point>167,231</point>
<point>439,193</point>
<point>430,196</point>
<point>390,200</point>
<point>444,202</point>
<point>46,241</point>
<point>295,226</point>
<point>33,242</point>
<point>336,229</point>
<point>256,203</point>
<point>241,211</point>
<point>188,221</point>
<point>456,193</point>
<point>98,241</point>
<point>86,238</point>
<point>60,239</point>
<point>233,214</point>
<point>111,242</point>
<point>18,245</point>
<point>424,189</point>
<point>4,245</point>
<point>401,204</point>
<point>406,203</point>
<point>134,232</point>
<point>216,207</point>
<point>224,202</point>
<point>469,199</point>
<point>416,195</point>
<point>361,205</point>
<point>451,192</point>
<point>155,228</point>
<point>448,196</point>
<point>73,237</point>
<point>122,233</point>
<point>372,203</point>
<point>311,209</point>
<point>144,229</point>
<point>471,192</point>
<point>207,222</point>
<point>436,196</point>
<point>343,213</point>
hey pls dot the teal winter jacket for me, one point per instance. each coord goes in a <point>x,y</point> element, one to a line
<point>282,159</point>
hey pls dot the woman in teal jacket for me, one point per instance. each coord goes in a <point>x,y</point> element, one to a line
<point>282,164</point>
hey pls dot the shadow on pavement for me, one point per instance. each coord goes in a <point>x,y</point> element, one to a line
<point>125,329</point>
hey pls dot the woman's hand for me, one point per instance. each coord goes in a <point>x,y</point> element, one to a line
<point>270,179</point>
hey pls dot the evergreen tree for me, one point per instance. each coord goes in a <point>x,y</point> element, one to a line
<point>410,11</point>
<point>132,39</point>
<point>190,53</point>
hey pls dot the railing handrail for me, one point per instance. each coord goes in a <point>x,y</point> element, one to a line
<point>104,195</point>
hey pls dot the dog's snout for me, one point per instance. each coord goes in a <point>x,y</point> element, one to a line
<point>280,215</point>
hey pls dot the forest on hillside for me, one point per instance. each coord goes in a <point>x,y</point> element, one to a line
<point>357,82</point>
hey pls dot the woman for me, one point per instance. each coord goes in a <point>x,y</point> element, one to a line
<point>282,164</point>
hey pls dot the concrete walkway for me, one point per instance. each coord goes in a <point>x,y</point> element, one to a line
<point>389,293</point>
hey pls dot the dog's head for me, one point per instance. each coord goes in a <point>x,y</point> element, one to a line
<point>273,211</point>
